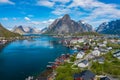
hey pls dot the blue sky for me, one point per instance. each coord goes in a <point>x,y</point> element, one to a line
<point>41,13</point>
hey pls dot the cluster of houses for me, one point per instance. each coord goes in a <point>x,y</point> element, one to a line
<point>97,48</point>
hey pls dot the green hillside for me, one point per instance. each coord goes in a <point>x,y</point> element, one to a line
<point>6,33</point>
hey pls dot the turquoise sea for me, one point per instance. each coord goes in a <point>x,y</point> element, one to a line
<point>23,58</point>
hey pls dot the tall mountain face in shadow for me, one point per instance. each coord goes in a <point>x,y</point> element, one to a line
<point>6,33</point>
<point>112,27</point>
<point>25,30</point>
<point>66,25</point>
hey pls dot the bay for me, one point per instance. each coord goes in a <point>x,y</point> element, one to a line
<point>23,58</point>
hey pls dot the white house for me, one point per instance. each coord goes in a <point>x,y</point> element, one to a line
<point>83,64</point>
<point>96,53</point>
<point>80,55</point>
<point>90,56</point>
<point>117,54</point>
<point>105,42</point>
<point>96,48</point>
<point>112,40</point>
<point>80,40</point>
<point>103,51</point>
<point>102,45</point>
<point>109,48</point>
<point>100,60</point>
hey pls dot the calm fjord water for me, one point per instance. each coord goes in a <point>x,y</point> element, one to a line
<point>24,58</point>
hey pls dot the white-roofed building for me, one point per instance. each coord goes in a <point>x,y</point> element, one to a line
<point>83,64</point>
<point>96,53</point>
<point>80,55</point>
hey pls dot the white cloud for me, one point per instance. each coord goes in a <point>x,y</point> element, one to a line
<point>14,18</point>
<point>6,2</point>
<point>48,21</point>
<point>61,1</point>
<point>89,4</point>
<point>96,8</point>
<point>58,11</point>
<point>5,19</point>
<point>45,3</point>
<point>51,20</point>
<point>97,11</point>
<point>27,18</point>
<point>61,9</point>
<point>42,24</point>
<point>35,22</point>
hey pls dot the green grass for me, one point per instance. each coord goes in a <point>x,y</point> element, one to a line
<point>65,72</point>
<point>6,33</point>
<point>111,66</point>
<point>113,45</point>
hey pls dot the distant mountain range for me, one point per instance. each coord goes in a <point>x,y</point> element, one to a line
<point>112,27</point>
<point>25,30</point>
<point>66,25</point>
<point>6,33</point>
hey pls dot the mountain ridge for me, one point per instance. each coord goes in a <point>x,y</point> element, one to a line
<point>25,30</point>
<point>112,27</point>
<point>66,25</point>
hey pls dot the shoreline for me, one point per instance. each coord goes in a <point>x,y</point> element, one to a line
<point>49,73</point>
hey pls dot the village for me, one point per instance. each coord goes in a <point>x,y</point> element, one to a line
<point>94,58</point>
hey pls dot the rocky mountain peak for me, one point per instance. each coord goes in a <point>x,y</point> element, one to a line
<point>66,17</point>
<point>66,25</point>
<point>81,21</point>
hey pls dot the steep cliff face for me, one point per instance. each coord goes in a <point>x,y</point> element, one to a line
<point>66,25</point>
<point>112,27</point>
